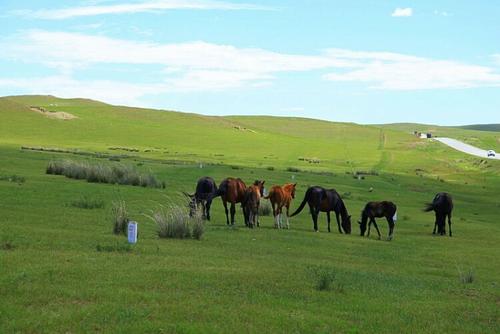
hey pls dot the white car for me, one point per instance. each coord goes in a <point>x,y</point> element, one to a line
<point>491,153</point>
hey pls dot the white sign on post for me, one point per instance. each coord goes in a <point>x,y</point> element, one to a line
<point>132,232</point>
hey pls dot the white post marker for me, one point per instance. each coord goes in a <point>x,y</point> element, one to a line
<point>132,232</point>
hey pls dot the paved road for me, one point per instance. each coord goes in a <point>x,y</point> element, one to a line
<point>466,148</point>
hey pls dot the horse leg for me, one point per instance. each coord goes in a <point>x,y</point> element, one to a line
<point>391,227</point>
<point>443,225</point>
<point>287,215</point>
<point>225,210</point>
<point>274,215</point>
<point>449,222</point>
<point>376,227</point>
<point>204,210</point>
<point>369,227</point>
<point>233,211</point>
<point>314,214</point>
<point>209,204</point>
<point>338,222</point>
<point>328,220</point>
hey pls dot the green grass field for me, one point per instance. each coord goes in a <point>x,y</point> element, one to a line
<point>62,269</point>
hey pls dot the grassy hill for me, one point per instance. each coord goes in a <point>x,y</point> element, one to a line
<point>482,127</point>
<point>64,271</point>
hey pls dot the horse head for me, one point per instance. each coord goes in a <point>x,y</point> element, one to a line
<point>193,203</point>
<point>293,190</point>
<point>260,185</point>
<point>346,224</point>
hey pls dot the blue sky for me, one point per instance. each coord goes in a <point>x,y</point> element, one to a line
<point>357,61</point>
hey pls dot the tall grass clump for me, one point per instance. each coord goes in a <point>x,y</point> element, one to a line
<point>101,173</point>
<point>87,203</point>
<point>324,278</point>
<point>13,178</point>
<point>119,217</point>
<point>265,208</point>
<point>466,277</point>
<point>175,222</point>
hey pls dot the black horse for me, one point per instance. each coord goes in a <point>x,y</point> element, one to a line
<point>205,191</point>
<point>374,210</point>
<point>325,200</point>
<point>442,205</point>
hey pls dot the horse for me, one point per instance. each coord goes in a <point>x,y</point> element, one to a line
<point>205,190</point>
<point>326,200</point>
<point>281,196</point>
<point>374,210</point>
<point>442,206</point>
<point>231,190</point>
<point>251,202</point>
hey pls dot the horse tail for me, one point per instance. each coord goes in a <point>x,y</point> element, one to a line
<point>222,190</point>
<point>301,206</point>
<point>429,207</point>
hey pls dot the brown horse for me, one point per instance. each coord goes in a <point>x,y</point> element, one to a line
<point>374,210</point>
<point>281,196</point>
<point>251,203</point>
<point>231,190</point>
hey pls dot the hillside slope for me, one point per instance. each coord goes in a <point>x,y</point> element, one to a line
<point>278,142</point>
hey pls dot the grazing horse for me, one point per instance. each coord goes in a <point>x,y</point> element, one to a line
<point>442,206</point>
<point>281,196</point>
<point>231,190</point>
<point>374,210</point>
<point>326,200</point>
<point>251,202</point>
<point>205,190</point>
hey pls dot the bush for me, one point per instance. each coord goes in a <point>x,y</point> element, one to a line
<point>176,223</point>
<point>87,203</point>
<point>270,168</point>
<point>100,173</point>
<point>265,208</point>
<point>120,217</point>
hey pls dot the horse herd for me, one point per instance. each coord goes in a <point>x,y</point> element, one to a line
<point>234,190</point>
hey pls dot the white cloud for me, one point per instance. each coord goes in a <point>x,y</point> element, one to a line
<point>442,13</point>
<point>202,66</point>
<point>402,12</point>
<point>401,72</point>
<point>129,8</point>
